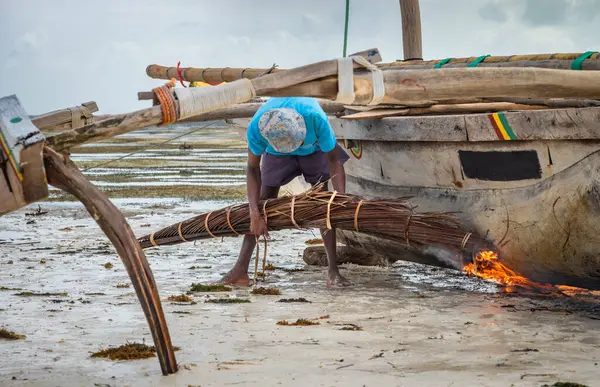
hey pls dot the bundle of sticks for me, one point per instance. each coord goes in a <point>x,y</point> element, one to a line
<point>317,208</point>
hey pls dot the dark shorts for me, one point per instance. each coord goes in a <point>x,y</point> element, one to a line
<point>280,170</point>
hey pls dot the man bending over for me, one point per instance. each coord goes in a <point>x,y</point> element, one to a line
<point>293,137</point>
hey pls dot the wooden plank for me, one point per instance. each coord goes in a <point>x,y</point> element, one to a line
<point>57,119</point>
<point>247,110</point>
<point>375,113</point>
<point>442,109</point>
<point>411,30</point>
<point>553,124</point>
<point>145,95</point>
<point>442,128</point>
<point>113,126</point>
<point>549,124</point>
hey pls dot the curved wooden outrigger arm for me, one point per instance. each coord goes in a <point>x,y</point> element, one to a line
<point>62,173</point>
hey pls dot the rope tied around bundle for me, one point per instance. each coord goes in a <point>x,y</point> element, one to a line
<point>356,215</point>
<point>317,208</point>
<point>229,221</point>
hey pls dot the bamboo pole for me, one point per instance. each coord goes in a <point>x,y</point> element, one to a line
<point>218,75</point>
<point>63,174</point>
<point>411,30</point>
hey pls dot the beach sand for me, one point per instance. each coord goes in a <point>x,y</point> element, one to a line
<point>421,326</point>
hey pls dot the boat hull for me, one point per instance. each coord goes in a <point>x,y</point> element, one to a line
<point>529,182</point>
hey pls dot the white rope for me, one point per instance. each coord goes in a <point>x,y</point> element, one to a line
<point>198,100</point>
<point>377,79</point>
<point>346,80</point>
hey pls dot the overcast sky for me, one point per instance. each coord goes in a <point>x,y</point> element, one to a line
<point>59,53</point>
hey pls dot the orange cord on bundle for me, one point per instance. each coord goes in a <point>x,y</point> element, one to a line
<point>167,102</point>
<point>229,222</point>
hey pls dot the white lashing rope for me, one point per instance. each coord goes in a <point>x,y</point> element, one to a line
<point>346,80</point>
<point>197,100</point>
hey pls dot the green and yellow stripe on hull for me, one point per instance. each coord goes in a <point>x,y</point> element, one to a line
<point>355,147</point>
<point>11,157</point>
<point>502,127</point>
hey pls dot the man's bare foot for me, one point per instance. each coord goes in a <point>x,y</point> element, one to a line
<point>336,279</point>
<point>236,279</point>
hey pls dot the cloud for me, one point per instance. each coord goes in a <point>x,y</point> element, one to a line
<point>493,12</point>
<point>545,12</point>
<point>55,64</point>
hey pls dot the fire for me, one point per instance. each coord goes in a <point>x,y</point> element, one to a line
<point>486,265</point>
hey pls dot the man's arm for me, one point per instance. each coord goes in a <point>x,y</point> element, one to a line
<point>253,183</point>
<point>336,170</point>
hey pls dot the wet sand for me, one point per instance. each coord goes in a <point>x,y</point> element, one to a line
<point>421,326</point>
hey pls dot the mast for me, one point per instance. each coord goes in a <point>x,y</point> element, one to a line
<point>411,30</point>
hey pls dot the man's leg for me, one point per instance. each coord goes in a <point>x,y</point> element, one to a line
<point>315,170</point>
<point>239,274</point>
<point>333,272</point>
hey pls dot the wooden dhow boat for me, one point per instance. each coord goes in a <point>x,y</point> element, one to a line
<point>521,168</point>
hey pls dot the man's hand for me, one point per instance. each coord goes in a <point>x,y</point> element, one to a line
<point>258,226</point>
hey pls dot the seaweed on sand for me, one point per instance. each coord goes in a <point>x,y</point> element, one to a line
<point>314,241</point>
<point>266,291</point>
<point>290,300</point>
<point>10,335</point>
<point>180,298</point>
<point>35,294</point>
<point>269,267</point>
<point>228,300</point>
<point>299,322</point>
<point>129,351</point>
<point>210,288</point>
<point>350,327</point>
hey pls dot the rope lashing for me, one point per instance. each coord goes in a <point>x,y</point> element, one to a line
<point>292,212</point>
<point>465,239</point>
<point>179,74</point>
<point>477,61</point>
<point>346,27</point>
<point>167,103</point>
<point>441,63</point>
<point>76,120</point>
<point>265,210</point>
<point>180,233</point>
<point>206,225</point>
<point>229,222</point>
<point>346,80</point>
<point>329,210</point>
<point>152,241</point>
<point>576,65</point>
<point>356,214</point>
<point>257,258</point>
<point>264,255</point>
<point>197,100</point>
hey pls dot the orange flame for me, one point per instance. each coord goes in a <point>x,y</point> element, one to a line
<point>487,266</point>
